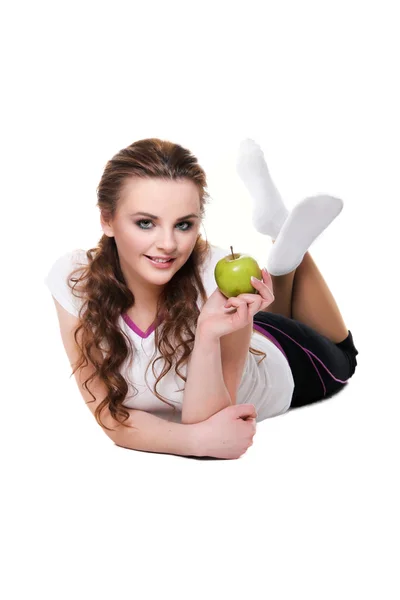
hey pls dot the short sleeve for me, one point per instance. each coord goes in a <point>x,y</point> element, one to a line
<point>57,280</point>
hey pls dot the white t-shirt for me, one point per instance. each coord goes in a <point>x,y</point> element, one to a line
<point>269,385</point>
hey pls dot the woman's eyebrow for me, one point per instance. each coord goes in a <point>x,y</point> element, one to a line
<point>146,214</point>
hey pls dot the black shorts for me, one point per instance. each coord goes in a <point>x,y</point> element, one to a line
<point>320,367</point>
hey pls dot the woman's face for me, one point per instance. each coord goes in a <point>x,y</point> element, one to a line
<point>171,232</point>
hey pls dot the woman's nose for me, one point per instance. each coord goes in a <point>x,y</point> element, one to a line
<point>168,242</point>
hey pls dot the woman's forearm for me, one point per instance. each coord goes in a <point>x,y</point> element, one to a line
<point>153,434</point>
<point>234,353</point>
<point>205,390</point>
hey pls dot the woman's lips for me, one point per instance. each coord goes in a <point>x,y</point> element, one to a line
<point>160,265</point>
<point>170,258</point>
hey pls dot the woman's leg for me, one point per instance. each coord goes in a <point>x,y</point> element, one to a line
<point>301,293</point>
<point>283,290</point>
<point>313,302</point>
<point>304,295</point>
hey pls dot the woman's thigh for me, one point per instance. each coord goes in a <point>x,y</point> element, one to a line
<point>319,366</point>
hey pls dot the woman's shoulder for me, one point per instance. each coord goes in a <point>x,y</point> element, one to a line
<point>77,257</point>
<point>70,260</point>
<point>207,272</point>
<point>58,276</point>
<point>214,255</point>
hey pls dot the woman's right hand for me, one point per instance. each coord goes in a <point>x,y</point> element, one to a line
<point>228,433</point>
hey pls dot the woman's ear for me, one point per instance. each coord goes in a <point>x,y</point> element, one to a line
<point>106,227</point>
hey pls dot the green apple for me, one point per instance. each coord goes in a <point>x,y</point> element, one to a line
<point>233,272</point>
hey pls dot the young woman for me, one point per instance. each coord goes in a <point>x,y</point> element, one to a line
<point>147,294</point>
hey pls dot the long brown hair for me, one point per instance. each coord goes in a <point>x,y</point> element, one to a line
<point>105,294</point>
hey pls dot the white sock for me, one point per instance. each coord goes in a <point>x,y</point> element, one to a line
<point>305,223</point>
<point>269,211</point>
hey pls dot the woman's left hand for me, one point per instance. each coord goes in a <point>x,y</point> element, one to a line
<point>216,321</point>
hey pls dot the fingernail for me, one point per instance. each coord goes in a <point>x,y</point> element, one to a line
<point>255,278</point>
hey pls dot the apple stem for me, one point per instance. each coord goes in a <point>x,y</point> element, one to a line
<point>232,252</point>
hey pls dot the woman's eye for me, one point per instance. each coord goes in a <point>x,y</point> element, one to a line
<point>188,223</point>
<point>143,221</point>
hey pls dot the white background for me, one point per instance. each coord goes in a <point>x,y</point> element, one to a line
<point>311,510</point>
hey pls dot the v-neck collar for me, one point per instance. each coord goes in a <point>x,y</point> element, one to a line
<point>137,330</point>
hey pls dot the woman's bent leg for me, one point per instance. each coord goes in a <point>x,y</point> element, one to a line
<point>313,302</point>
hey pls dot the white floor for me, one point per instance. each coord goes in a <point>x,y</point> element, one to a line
<point>310,505</point>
